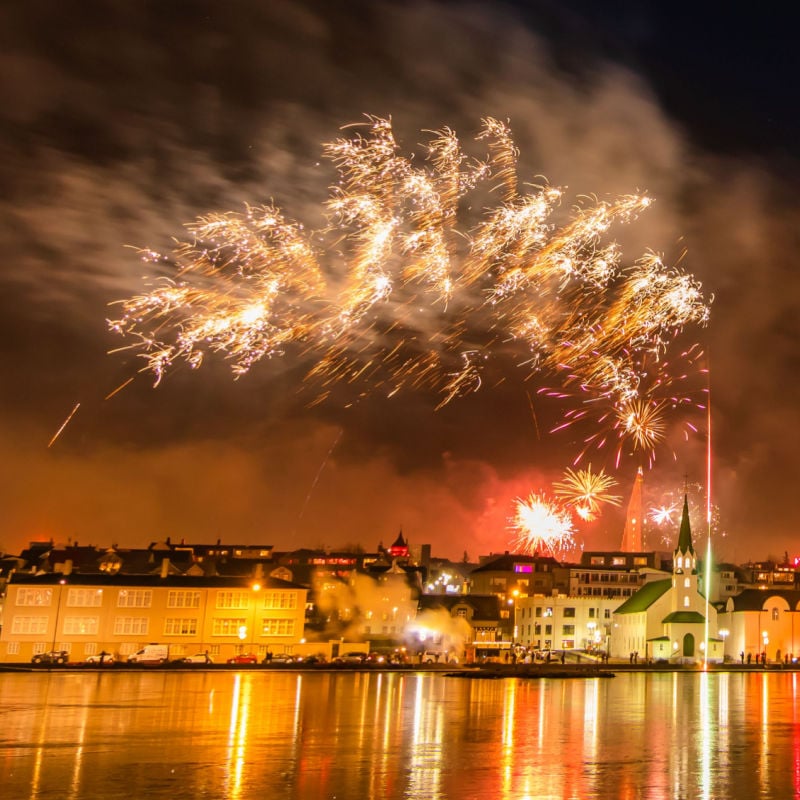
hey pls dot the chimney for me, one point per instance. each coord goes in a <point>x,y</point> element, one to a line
<point>164,567</point>
<point>67,570</point>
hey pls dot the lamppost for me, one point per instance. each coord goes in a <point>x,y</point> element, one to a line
<point>58,610</point>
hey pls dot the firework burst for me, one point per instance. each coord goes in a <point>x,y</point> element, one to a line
<point>406,289</point>
<point>541,527</point>
<point>585,492</point>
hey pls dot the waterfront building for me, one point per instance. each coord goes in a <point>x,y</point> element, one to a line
<point>563,622</point>
<point>89,613</point>
<point>616,574</point>
<point>470,624</point>
<point>761,622</point>
<point>665,620</point>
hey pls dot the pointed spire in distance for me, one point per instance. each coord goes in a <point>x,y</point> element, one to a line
<point>685,535</point>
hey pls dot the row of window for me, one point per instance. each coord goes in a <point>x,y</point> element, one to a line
<point>139,626</point>
<point>78,597</point>
<point>566,630</point>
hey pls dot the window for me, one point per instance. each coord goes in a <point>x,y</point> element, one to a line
<point>686,601</point>
<point>228,626</point>
<point>640,561</point>
<point>180,626</point>
<point>607,613</point>
<point>12,648</point>
<point>81,626</point>
<point>183,599</point>
<point>523,567</point>
<point>135,598</point>
<point>548,629</point>
<point>27,625</point>
<point>233,599</point>
<point>569,612</point>
<point>597,560</point>
<point>276,600</point>
<point>279,627</point>
<point>537,629</point>
<point>618,561</point>
<point>130,626</point>
<point>775,614</point>
<point>548,612</point>
<point>34,597</point>
<point>538,611</point>
<point>84,598</point>
<point>591,613</point>
<point>567,630</point>
<point>462,612</point>
<point>687,582</point>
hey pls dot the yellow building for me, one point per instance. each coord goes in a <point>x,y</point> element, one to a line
<point>86,614</point>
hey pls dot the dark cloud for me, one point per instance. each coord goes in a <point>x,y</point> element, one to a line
<point>122,122</point>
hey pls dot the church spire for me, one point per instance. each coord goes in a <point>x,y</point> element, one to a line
<point>632,535</point>
<point>684,558</point>
<point>685,536</point>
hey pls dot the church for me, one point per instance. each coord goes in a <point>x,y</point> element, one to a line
<point>665,620</point>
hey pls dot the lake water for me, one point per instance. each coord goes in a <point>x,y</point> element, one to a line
<point>275,734</point>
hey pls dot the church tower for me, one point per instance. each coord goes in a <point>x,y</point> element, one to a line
<point>684,565</point>
<point>632,535</point>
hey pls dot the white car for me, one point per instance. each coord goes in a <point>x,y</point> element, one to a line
<point>198,658</point>
<point>100,658</point>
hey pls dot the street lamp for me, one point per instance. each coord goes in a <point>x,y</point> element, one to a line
<point>58,610</point>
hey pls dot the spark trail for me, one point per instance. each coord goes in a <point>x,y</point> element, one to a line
<point>408,289</point>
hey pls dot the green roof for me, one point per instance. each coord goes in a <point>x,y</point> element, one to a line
<point>645,597</point>
<point>684,616</point>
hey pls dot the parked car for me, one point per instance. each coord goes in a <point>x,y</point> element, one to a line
<point>51,657</point>
<point>197,658</point>
<point>350,658</point>
<point>100,658</point>
<point>150,654</point>
<point>375,658</point>
<point>311,660</point>
<point>280,658</point>
<point>243,658</point>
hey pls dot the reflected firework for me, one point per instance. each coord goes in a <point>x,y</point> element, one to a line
<point>406,289</point>
<point>541,527</point>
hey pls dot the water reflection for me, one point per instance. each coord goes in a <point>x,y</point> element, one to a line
<point>243,735</point>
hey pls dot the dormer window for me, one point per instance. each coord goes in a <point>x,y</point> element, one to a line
<point>680,562</point>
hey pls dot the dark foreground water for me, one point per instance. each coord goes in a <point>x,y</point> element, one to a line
<point>71,735</point>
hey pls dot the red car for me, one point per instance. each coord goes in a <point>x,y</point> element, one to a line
<point>244,658</point>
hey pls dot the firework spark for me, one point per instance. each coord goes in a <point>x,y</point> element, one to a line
<point>542,527</point>
<point>406,289</point>
<point>585,491</point>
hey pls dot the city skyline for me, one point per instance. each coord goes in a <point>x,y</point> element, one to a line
<point>123,127</point>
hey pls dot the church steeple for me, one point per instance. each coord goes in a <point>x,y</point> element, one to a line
<point>684,556</point>
<point>632,535</point>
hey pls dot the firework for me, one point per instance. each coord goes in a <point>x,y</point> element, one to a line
<point>665,513</point>
<point>542,527</point>
<point>406,289</point>
<point>585,491</point>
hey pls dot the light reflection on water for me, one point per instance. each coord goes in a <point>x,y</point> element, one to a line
<point>255,734</point>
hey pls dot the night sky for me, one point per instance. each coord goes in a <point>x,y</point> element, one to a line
<point>121,122</point>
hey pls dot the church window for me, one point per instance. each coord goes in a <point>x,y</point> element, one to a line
<point>775,614</point>
<point>687,583</point>
<point>686,601</point>
<point>680,562</point>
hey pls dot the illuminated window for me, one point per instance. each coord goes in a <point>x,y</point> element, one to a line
<point>180,626</point>
<point>183,599</point>
<point>81,626</point>
<point>687,582</point>
<point>25,625</point>
<point>277,627</point>
<point>135,598</point>
<point>34,597</point>
<point>775,614</point>
<point>523,567</point>
<point>277,600</point>
<point>228,626</point>
<point>84,597</point>
<point>686,601</point>
<point>131,626</point>
<point>548,612</point>
<point>233,599</point>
